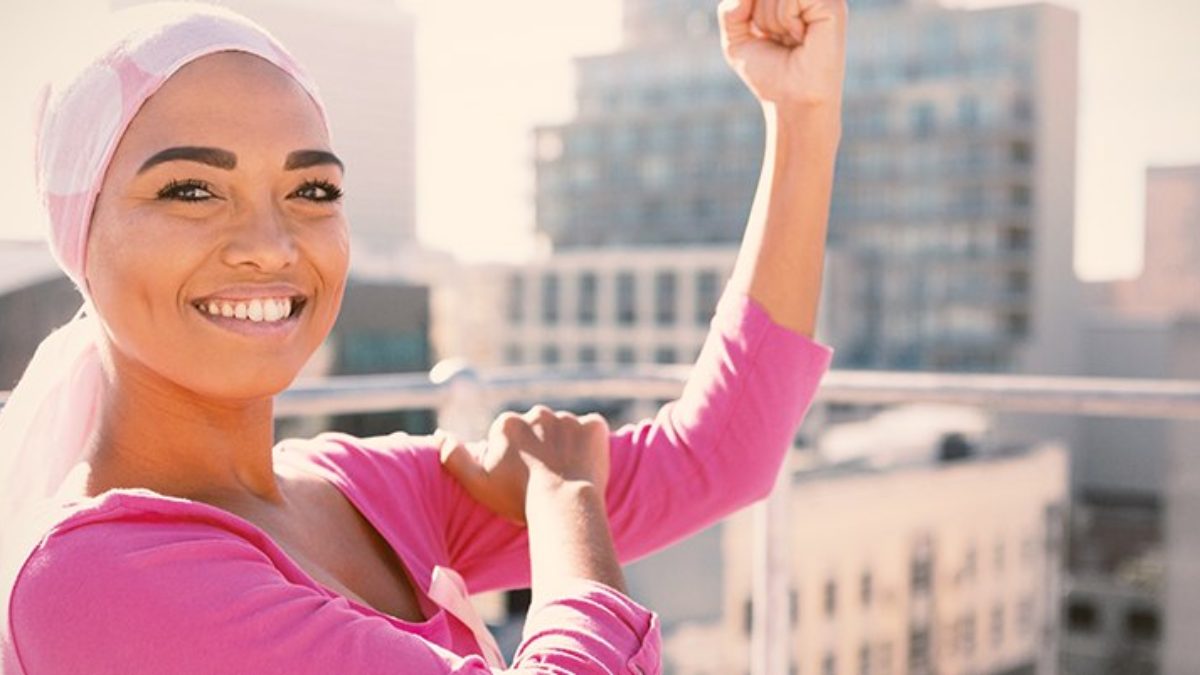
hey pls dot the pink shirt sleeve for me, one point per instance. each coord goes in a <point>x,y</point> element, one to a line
<point>714,450</point>
<point>148,594</point>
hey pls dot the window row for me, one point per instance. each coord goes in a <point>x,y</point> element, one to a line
<point>624,304</point>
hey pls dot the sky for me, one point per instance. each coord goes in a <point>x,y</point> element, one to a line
<point>489,72</point>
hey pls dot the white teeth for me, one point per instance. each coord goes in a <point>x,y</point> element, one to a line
<point>256,310</point>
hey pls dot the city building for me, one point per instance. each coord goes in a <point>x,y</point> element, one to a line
<point>947,567</point>
<point>1169,284</point>
<point>582,308</point>
<point>1133,602</point>
<point>954,198</point>
<point>361,55</point>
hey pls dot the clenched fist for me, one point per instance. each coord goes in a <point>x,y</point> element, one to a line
<point>541,449</point>
<point>788,52</point>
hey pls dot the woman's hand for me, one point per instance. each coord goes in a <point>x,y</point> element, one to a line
<point>787,51</point>
<point>540,450</point>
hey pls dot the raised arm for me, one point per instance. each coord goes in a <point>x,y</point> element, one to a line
<point>791,54</point>
<point>720,445</point>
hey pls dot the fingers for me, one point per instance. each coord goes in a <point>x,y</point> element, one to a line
<point>791,20</point>
<point>767,18</point>
<point>734,18</point>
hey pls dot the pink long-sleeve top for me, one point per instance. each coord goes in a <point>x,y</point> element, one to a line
<point>133,582</point>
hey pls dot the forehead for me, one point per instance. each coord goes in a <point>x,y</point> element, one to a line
<point>233,100</point>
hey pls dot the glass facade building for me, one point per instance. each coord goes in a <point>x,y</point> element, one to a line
<point>953,205</point>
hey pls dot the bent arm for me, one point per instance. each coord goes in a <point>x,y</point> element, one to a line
<point>181,599</point>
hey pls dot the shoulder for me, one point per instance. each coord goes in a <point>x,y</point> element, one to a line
<point>394,464</point>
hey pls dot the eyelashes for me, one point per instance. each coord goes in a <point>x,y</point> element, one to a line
<point>319,191</point>
<point>186,191</point>
<point>192,190</point>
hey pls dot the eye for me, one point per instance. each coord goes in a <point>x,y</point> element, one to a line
<point>186,191</point>
<point>318,191</point>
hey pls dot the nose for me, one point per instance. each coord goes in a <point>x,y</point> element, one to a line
<point>261,239</point>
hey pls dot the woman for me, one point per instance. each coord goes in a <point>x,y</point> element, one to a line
<point>195,200</point>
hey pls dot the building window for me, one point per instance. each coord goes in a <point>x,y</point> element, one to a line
<point>1141,624</point>
<point>1082,616</point>
<point>516,299</point>
<point>866,590</point>
<point>1025,616</point>
<point>626,299</point>
<point>664,298</point>
<point>794,606</point>
<point>829,665</point>
<point>514,355</point>
<point>1017,324</point>
<point>625,355</point>
<point>967,635</point>
<point>1020,152</point>
<point>587,355</point>
<point>665,355</point>
<point>550,355</point>
<point>1019,196</point>
<point>864,659</point>
<point>707,289</point>
<point>550,298</point>
<point>918,650</point>
<point>922,572</point>
<point>588,286</point>
<point>924,120</point>
<point>747,616</point>
<point>968,112</point>
<point>830,598</point>
<point>997,627</point>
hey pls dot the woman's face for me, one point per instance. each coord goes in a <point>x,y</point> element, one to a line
<point>218,250</point>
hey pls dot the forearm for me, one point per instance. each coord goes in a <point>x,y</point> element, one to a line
<point>783,251</point>
<point>569,538</point>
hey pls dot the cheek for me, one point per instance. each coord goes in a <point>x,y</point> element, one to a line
<point>136,269</point>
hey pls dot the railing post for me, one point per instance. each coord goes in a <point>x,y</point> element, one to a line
<point>770,625</point>
<point>466,411</point>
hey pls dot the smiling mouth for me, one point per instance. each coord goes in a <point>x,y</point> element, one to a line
<point>255,310</point>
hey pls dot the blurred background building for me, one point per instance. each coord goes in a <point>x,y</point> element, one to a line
<point>888,577</point>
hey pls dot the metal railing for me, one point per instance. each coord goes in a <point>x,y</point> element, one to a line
<point>466,400</point>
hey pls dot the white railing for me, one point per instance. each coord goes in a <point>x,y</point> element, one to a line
<point>465,401</point>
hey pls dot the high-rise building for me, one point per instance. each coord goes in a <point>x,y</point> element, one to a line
<point>361,55</point>
<point>954,198</point>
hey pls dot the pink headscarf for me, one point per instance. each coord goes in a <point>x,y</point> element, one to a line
<point>53,411</point>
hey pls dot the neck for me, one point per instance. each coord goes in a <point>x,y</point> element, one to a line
<point>157,435</point>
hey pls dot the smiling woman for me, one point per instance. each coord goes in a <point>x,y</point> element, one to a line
<point>152,522</point>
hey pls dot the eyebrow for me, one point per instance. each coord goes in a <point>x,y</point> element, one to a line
<point>224,159</point>
<point>302,159</point>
